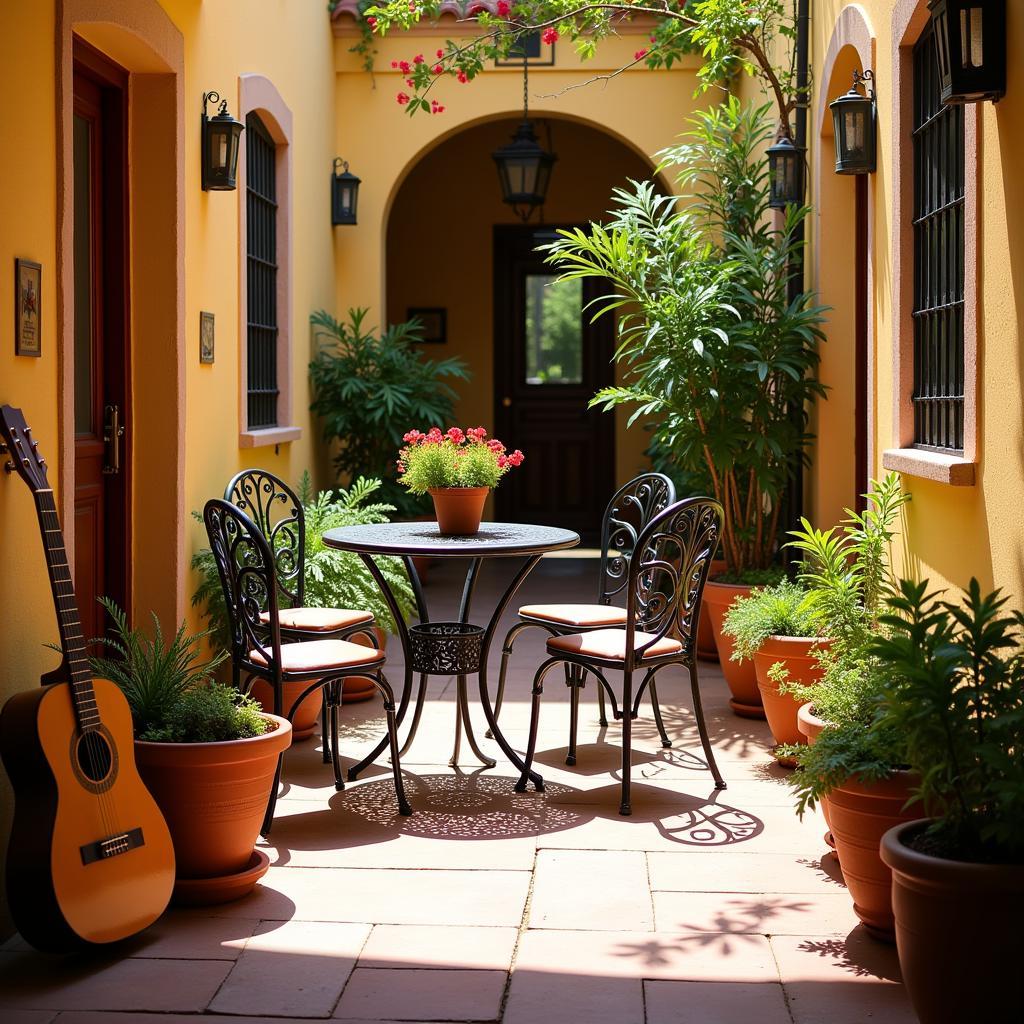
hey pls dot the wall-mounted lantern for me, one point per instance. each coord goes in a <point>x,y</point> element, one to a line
<point>970,46</point>
<point>344,194</point>
<point>220,135</point>
<point>785,172</point>
<point>853,117</point>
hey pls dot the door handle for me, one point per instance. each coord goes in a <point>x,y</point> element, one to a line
<point>506,402</point>
<point>113,431</point>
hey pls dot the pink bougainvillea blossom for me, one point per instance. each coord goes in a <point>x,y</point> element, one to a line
<point>550,36</point>
<point>502,8</point>
<point>402,99</point>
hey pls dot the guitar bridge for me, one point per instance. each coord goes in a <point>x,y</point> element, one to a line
<point>112,846</point>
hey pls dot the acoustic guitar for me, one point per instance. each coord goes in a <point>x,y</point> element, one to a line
<point>90,859</point>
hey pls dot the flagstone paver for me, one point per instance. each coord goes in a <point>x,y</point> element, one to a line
<point>704,907</point>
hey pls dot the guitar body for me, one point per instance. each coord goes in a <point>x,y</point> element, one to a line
<point>73,793</point>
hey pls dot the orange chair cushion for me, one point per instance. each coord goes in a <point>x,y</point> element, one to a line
<point>610,644</point>
<point>576,614</point>
<point>318,620</point>
<point>321,655</point>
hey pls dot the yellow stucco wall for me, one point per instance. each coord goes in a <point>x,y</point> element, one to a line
<point>952,532</point>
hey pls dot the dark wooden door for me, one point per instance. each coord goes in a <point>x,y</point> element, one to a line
<point>101,409</point>
<point>549,360</point>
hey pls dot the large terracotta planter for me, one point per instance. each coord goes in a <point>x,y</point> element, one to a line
<point>957,932</point>
<point>459,509</point>
<point>707,649</point>
<point>860,813</point>
<point>213,797</point>
<point>746,699</point>
<point>781,709</point>
<point>810,726</point>
<point>356,689</point>
<point>306,714</point>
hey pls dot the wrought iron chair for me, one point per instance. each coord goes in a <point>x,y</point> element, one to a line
<point>664,585</point>
<point>276,509</point>
<point>248,575</point>
<point>631,508</point>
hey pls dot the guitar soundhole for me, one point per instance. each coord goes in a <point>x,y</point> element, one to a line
<point>95,758</point>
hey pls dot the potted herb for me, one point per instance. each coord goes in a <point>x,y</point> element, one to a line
<point>333,579</point>
<point>367,388</point>
<point>207,754</point>
<point>954,692</point>
<point>856,767</point>
<point>457,469</point>
<point>713,348</point>
<point>778,628</point>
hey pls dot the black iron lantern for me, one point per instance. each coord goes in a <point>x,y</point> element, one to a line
<point>220,137</point>
<point>524,165</point>
<point>785,172</point>
<point>344,194</point>
<point>853,117</point>
<point>970,46</point>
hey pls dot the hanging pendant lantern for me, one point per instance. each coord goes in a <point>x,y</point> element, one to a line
<point>524,165</point>
<point>785,172</point>
<point>344,194</point>
<point>970,46</point>
<point>220,135</point>
<point>853,119</point>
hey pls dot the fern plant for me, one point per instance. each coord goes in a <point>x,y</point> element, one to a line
<point>782,610</point>
<point>333,579</point>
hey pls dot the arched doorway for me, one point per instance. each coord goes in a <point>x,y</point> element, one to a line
<point>536,360</point>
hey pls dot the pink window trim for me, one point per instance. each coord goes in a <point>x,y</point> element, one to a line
<point>257,94</point>
<point>908,21</point>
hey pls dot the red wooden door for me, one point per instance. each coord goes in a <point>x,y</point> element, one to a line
<point>101,413</point>
<point>549,360</point>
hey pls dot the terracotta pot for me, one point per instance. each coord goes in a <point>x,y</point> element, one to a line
<point>810,725</point>
<point>957,932</point>
<point>356,689</point>
<point>213,797</point>
<point>459,509</point>
<point>860,813</point>
<point>306,714</point>
<point>781,709</point>
<point>746,699</point>
<point>707,649</point>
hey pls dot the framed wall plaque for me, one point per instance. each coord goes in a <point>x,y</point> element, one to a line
<point>434,320</point>
<point>206,337</point>
<point>28,283</point>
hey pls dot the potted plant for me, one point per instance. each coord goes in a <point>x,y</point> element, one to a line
<point>333,579</point>
<point>856,767</point>
<point>457,468</point>
<point>367,388</point>
<point>778,628</point>
<point>207,754</point>
<point>713,347</point>
<point>954,692</point>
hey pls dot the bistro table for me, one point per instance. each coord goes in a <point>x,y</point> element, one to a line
<point>457,648</point>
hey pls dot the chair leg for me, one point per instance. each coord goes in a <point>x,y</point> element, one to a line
<point>627,741</point>
<point>268,817</point>
<point>698,713</point>
<point>324,726</point>
<point>396,768</point>
<point>574,682</point>
<point>335,702</point>
<point>531,746</point>
<point>602,718</point>
<point>665,741</point>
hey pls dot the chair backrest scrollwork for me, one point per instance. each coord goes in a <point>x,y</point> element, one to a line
<point>668,573</point>
<point>248,579</point>
<point>275,508</point>
<point>632,507</point>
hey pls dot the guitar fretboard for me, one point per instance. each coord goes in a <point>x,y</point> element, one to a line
<point>71,639</point>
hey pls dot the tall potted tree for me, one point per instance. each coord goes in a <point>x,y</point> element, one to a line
<point>715,353</point>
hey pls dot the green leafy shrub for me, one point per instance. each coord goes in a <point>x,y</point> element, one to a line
<point>953,690</point>
<point>367,389</point>
<point>781,610</point>
<point>209,714</point>
<point>333,579</point>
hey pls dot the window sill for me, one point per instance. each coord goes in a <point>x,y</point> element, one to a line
<point>944,469</point>
<point>269,436</point>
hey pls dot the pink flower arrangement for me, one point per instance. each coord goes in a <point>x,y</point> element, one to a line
<point>454,458</point>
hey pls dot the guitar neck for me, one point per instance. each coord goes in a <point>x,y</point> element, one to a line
<point>72,641</point>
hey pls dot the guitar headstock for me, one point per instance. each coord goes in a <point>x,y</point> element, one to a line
<point>24,458</point>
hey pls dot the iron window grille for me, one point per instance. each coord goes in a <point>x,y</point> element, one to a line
<point>261,292</point>
<point>938,145</point>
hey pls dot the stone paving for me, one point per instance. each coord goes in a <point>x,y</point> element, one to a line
<point>488,905</point>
